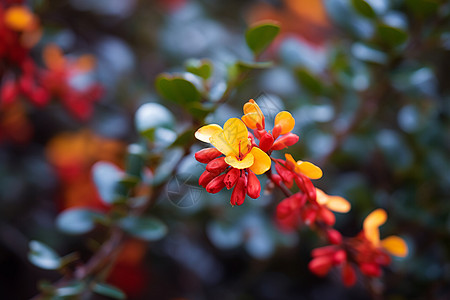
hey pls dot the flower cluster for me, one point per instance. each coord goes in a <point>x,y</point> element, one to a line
<point>19,32</point>
<point>239,155</point>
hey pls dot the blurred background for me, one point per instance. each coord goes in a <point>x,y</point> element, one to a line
<point>366,81</point>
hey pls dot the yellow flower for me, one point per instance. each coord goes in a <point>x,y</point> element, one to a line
<point>304,167</point>
<point>233,142</point>
<point>19,18</point>
<point>334,203</point>
<point>393,244</point>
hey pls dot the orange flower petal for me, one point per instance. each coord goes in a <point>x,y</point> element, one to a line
<point>286,121</point>
<point>321,197</point>
<point>262,161</point>
<point>338,204</point>
<point>375,219</point>
<point>373,235</point>
<point>395,245</point>
<point>218,140</point>
<point>309,169</point>
<point>251,119</point>
<point>240,164</point>
<point>236,134</point>
<point>204,133</point>
<point>53,57</point>
<point>252,115</point>
<point>18,18</point>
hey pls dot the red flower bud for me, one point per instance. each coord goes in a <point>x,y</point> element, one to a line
<point>238,194</point>
<point>207,155</point>
<point>40,97</point>
<point>327,216</point>
<point>383,259</point>
<point>348,275</point>
<point>285,174</point>
<point>276,131</point>
<point>306,186</point>
<point>8,92</point>
<point>320,265</point>
<point>339,257</point>
<point>232,177</point>
<point>309,215</point>
<point>334,236</point>
<point>206,178</point>
<point>276,178</point>
<point>286,140</point>
<point>253,185</point>
<point>217,165</point>
<point>266,141</point>
<point>370,269</point>
<point>216,185</point>
<point>324,251</point>
<point>289,206</point>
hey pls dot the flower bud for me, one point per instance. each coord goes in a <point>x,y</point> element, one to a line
<point>348,275</point>
<point>266,141</point>
<point>276,131</point>
<point>320,265</point>
<point>324,251</point>
<point>370,269</point>
<point>327,216</point>
<point>306,186</point>
<point>206,178</point>
<point>238,195</point>
<point>231,177</point>
<point>8,92</point>
<point>253,185</point>
<point>207,155</point>
<point>309,215</point>
<point>40,97</point>
<point>216,185</point>
<point>217,165</point>
<point>334,236</point>
<point>285,141</point>
<point>285,174</point>
<point>339,257</point>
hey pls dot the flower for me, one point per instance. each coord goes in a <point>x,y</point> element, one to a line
<point>233,142</point>
<point>304,167</point>
<point>393,244</point>
<point>284,123</point>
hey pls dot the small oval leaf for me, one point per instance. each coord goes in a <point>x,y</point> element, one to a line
<point>106,177</point>
<point>177,89</point>
<point>146,228</point>
<point>43,256</point>
<point>259,36</point>
<point>109,291</point>
<point>77,220</point>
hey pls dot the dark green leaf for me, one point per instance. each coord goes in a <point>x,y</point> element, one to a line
<point>198,111</point>
<point>109,291</point>
<point>153,115</point>
<point>259,36</point>
<point>423,8</point>
<point>77,220</point>
<point>43,256</point>
<point>146,228</point>
<point>363,8</point>
<point>177,89</point>
<point>309,81</point>
<point>391,35</point>
<point>202,68</point>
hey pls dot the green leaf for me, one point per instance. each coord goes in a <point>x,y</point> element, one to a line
<point>153,115</point>
<point>309,81</point>
<point>363,8</point>
<point>77,220</point>
<point>247,66</point>
<point>423,8</point>
<point>109,291</point>
<point>198,111</point>
<point>202,68</point>
<point>146,228</point>
<point>43,256</point>
<point>183,138</point>
<point>259,36</point>
<point>367,53</point>
<point>391,35</point>
<point>177,89</point>
<point>106,178</point>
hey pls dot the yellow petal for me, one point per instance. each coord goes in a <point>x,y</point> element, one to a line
<point>262,161</point>
<point>338,204</point>
<point>395,245</point>
<point>373,235</point>
<point>252,107</point>
<point>290,158</point>
<point>240,164</point>
<point>204,133</point>
<point>236,134</point>
<point>18,18</point>
<point>321,197</point>
<point>375,219</point>
<point>309,169</point>
<point>251,119</point>
<point>286,121</point>
<point>218,140</point>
